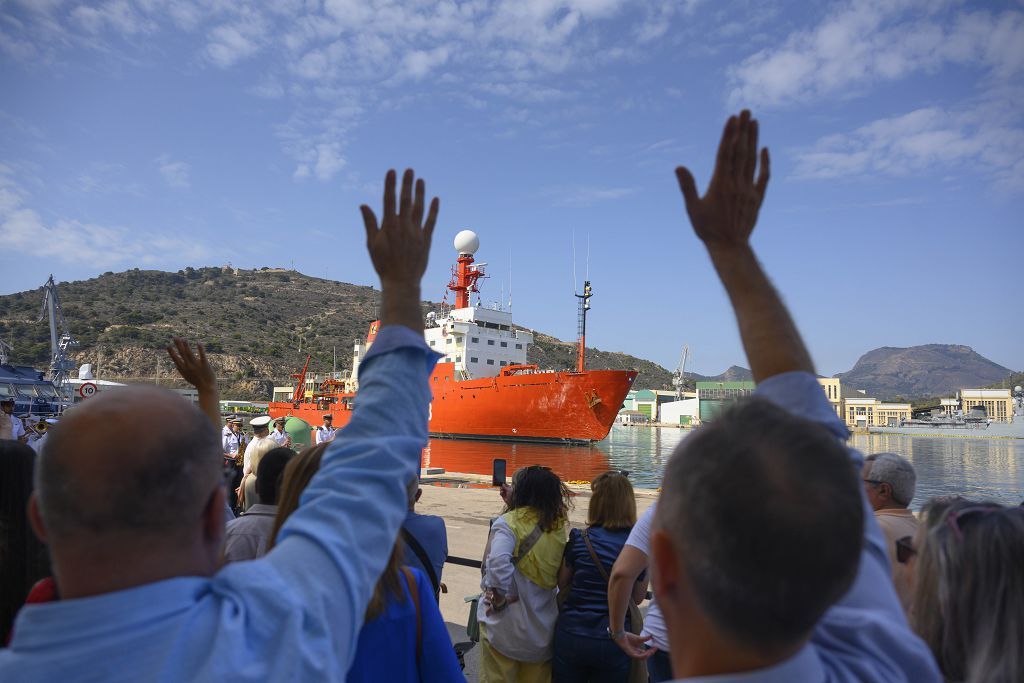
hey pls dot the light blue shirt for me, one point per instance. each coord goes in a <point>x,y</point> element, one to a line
<point>293,615</point>
<point>864,636</point>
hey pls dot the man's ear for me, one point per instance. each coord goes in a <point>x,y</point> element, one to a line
<point>885,491</point>
<point>666,568</point>
<point>35,517</point>
<point>213,515</point>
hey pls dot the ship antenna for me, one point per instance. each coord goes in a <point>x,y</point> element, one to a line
<point>510,280</point>
<point>573,261</point>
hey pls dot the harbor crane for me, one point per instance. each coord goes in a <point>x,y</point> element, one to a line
<point>679,377</point>
<point>60,338</point>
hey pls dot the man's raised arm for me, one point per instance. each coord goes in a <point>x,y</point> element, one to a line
<point>332,549</point>
<point>723,219</point>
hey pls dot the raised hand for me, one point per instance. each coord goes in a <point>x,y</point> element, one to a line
<point>726,214</point>
<point>197,371</point>
<point>193,367</point>
<point>399,247</point>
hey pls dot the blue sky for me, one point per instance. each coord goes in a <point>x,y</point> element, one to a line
<point>161,134</point>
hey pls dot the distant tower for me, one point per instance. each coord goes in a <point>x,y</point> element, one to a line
<point>464,273</point>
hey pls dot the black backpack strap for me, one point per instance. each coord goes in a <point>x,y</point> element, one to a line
<point>420,553</point>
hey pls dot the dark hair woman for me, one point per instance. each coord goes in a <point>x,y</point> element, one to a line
<point>524,551</point>
<point>583,650</point>
<point>23,558</point>
<point>403,636</point>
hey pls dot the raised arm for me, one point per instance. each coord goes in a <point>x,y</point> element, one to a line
<point>332,549</point>
<point>724,219</point>
<point>197,371</point>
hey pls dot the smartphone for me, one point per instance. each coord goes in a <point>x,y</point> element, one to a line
<point>498,476</point>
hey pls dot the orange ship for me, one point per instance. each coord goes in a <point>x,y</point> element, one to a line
<point>483,386</point>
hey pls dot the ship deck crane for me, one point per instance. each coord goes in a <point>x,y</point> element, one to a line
<point>679,377</point>
<point>60,338</point>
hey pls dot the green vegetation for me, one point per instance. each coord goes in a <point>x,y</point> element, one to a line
<point>258,325</point>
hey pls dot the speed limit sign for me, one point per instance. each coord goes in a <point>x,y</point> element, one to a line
<point>87,390</point>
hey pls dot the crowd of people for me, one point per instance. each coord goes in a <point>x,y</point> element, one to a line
<point>775,552</point>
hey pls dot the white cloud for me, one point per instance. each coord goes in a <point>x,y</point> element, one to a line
<point>174,173</point>
<point>117,15</point>
<point>580,196</point>
<point>419,63</point>
<point>985,138</point>
<point>22,230</point>
<point>871,41</point>
<point>237,40</point>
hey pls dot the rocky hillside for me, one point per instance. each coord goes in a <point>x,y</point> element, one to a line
<point>258,326</point>
<point>919,371</point>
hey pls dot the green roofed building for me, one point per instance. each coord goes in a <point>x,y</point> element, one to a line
<point>716,397</point>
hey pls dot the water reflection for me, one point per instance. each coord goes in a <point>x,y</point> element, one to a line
<point>979,468</point>
<point>976,468</point>
<point>571,463</point>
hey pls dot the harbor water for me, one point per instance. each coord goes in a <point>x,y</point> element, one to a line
<point>979,468</point>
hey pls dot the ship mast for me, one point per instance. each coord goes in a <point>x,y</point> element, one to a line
<point>464,273</point>
<point>584,304</point>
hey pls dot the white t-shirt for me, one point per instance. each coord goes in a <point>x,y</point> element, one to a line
<point>640,538</point>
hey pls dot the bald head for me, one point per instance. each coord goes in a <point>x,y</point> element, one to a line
<point>139,461</point>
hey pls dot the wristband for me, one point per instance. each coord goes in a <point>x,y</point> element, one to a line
<point>615,635</point>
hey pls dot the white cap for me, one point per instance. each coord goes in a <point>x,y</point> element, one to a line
<point>52,420</point>
<point>260,421</point>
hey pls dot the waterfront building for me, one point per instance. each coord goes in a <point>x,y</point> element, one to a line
<point>834,393</point>
<point>949,406</point>
<point>997,403</point>
<point>715,397</point>
<point>864,411</point>
<point>685,412</point>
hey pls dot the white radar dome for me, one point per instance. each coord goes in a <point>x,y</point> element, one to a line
<point>466,242</point>
<point>1017,389</point>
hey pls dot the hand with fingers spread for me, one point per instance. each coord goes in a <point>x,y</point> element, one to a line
<point>197,371</point>
<point>725,216</point>
<point>399,247</point>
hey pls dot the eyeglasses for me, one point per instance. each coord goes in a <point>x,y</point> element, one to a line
<point>905,549</point>
<point>953,518</point>
<point>872,481</point>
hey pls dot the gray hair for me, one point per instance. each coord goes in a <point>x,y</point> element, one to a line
<point>96,477</point>
<point>968,602</point>
<point>897,472</point>
<point>736,502</point>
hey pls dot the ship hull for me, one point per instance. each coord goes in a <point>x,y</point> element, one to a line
<point>549,407</point>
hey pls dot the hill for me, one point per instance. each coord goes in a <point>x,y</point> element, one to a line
<point>258,326</point>
<point>920,371</point>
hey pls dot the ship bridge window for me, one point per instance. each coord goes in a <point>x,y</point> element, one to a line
<point>458,359</point>
<point>6,390</point>
<point>519,346</point>
<point>504,327</point>
<point>448,341</point>
<point>504,363</point>
<point>432,343</point>
<point>490,361</point>
<point>474,359</point>
<point>504,345</point>
<point>476,340</point>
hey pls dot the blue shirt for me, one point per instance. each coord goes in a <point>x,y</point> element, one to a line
<point>429,530</point>
<point>387,645</point>
<point>864,636</point>
<point>585,611</point>
<point>295,613</point>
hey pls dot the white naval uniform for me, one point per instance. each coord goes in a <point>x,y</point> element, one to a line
<point>280,437</point>
<point>17,428</point>
<point>325,434</point>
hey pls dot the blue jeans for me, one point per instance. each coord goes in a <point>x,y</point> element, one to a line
<point>580,659</point>
<point>659,667</point>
